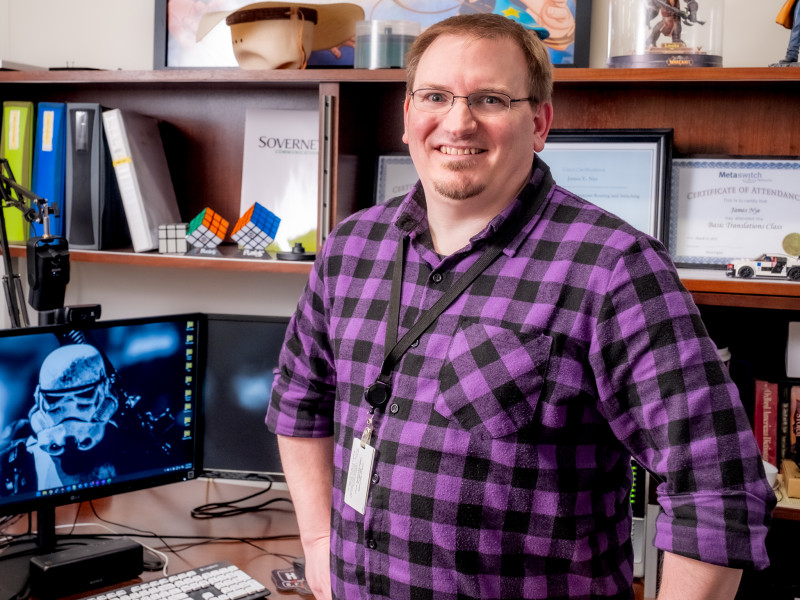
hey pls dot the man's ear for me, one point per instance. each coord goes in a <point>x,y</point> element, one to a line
<point>406,104</point>
<point>542,120</point>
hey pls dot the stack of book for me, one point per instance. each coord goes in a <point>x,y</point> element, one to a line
<point>776,419</point>
<point>103,173</point>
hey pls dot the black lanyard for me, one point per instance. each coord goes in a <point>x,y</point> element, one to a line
<point>378,394</point>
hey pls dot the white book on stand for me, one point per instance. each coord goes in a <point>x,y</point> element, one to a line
<point>140,165</point>
<point>280,171</point>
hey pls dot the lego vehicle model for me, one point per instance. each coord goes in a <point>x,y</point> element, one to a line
<point>766,265</point>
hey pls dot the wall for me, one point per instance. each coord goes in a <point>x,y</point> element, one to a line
<point>118,34</point>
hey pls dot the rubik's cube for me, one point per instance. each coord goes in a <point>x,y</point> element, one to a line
<point>206,230</point>
<point>172,238</point>
<point>256,228</point>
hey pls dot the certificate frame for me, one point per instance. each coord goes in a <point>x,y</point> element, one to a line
<point>731,208</point>
<point>585,161</point>
<point>395,175</point>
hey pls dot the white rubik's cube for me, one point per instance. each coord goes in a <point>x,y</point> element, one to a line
<point>256,228</point>
<point>172,238</point>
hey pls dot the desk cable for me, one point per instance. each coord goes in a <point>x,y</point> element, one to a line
<point>214,510</point>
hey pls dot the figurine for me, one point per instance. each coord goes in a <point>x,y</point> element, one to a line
<point>766,265</point>
<point>789,17</point>
<point>672,19</point>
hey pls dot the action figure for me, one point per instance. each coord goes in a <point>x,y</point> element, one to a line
<point>672,19</point>
<point>789,17</point>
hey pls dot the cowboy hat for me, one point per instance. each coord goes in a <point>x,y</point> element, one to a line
<point>335,23</point>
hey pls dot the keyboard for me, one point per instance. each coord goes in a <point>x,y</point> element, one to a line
<point>219,580</point>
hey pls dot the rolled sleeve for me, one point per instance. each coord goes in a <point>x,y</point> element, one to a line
<point>671,402</point>
<point>303,390</point>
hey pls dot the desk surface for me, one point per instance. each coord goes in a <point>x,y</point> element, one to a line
<point>166,511</point>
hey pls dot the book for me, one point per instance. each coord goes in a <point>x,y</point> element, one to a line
<point>49,163</point>
<point>95,217</point>
<point>765,426</point>
<point>794,421</point>
<point>140,166</point>
<point>784,419</point>
<point>280,171</point>
<point>17,148</point>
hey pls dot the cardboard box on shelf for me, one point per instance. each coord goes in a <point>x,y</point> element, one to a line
<point>791,475</point>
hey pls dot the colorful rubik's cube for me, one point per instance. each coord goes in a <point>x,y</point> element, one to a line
<point>207,230</point>
<point>256,228</point>
<point>172,238</point>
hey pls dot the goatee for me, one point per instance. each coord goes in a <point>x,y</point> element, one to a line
<point>458,190</point>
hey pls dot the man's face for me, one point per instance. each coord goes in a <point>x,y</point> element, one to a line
<point>458,156</point>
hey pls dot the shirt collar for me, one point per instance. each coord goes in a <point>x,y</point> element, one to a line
<point>412,216</point>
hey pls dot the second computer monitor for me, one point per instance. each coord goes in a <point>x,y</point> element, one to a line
<point>241,355</point>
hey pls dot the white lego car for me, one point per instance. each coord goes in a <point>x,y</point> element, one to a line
<point>766,265</point>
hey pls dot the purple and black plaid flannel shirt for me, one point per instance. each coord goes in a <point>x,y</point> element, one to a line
<point>502,467</point>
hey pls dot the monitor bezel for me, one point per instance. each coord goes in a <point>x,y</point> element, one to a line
<point>236,474</point>
<point>48,503</point>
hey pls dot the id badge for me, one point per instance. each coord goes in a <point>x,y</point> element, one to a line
<point>359,474</point>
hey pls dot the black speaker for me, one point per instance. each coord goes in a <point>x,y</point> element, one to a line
<point>78,568</point>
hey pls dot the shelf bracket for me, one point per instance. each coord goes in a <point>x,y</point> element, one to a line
<point>326,185</point>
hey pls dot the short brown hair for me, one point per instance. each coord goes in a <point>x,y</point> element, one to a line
<point>490,26</point>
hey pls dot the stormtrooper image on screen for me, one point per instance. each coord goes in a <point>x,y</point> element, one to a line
<point>73,404</point>
<point>80,425</point>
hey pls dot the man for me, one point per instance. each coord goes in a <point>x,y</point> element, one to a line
<point>491,458</point>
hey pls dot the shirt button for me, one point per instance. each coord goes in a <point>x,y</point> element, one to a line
<point>375,478</point>
<point>437,278</point>
<point>372,544</point>
<point>394,408</point>
<point>415,343</point>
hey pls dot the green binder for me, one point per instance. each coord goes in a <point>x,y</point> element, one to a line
<point>17,148</point>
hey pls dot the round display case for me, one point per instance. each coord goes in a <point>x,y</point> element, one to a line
<point>665,33</point>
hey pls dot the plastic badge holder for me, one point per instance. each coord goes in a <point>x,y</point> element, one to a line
<point>383,44</point>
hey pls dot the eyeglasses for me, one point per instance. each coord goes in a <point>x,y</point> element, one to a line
<point>481,104</point>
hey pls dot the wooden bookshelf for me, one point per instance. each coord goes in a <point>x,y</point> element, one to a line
<point>712,111</point>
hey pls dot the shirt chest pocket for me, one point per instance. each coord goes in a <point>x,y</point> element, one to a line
<point>491,379</point>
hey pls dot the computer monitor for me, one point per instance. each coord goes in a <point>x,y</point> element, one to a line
<point>93,409</point>
<point>241,356</point>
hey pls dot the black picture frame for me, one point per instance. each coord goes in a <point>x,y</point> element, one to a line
<point>580,48</point>
<point>583,32</point>
<point>160,35</point>
<point>615,168</point>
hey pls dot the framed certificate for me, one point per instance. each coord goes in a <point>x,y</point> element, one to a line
<point>625,171</point>
<point>396,175</point>
<point>725,209</point>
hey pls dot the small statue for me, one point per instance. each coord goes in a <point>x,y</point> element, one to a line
<point>789,17</point>
<point>672,19</point>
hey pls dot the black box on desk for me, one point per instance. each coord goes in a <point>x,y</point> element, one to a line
<point>79,568</point>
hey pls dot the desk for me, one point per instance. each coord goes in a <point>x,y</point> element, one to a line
<point>166,510</point>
